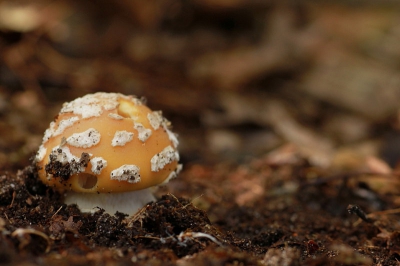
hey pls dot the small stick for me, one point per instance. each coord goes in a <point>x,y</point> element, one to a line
<point>13,198</point>
<point>59,209</point>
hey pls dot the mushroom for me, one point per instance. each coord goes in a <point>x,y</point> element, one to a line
<point>106,150</point>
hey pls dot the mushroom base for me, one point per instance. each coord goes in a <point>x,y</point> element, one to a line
<point>125,202</point>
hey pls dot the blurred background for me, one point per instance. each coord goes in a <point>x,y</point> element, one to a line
<point>237,78</point>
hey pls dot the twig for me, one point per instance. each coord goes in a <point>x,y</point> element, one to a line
<point>59,209</point>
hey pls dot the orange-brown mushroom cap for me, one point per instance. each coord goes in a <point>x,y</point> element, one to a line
<point>107,142</point>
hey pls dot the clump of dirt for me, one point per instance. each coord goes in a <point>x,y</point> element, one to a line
<point>63,168</point>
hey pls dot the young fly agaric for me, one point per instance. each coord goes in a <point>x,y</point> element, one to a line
<point>107,150</point>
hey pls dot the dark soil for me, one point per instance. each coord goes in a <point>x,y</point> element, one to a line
<point>304,223</point>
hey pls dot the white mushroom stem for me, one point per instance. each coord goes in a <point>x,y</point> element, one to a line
<point>125,202</point>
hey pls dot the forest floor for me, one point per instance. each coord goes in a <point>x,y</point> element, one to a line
<point>288,121</point>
